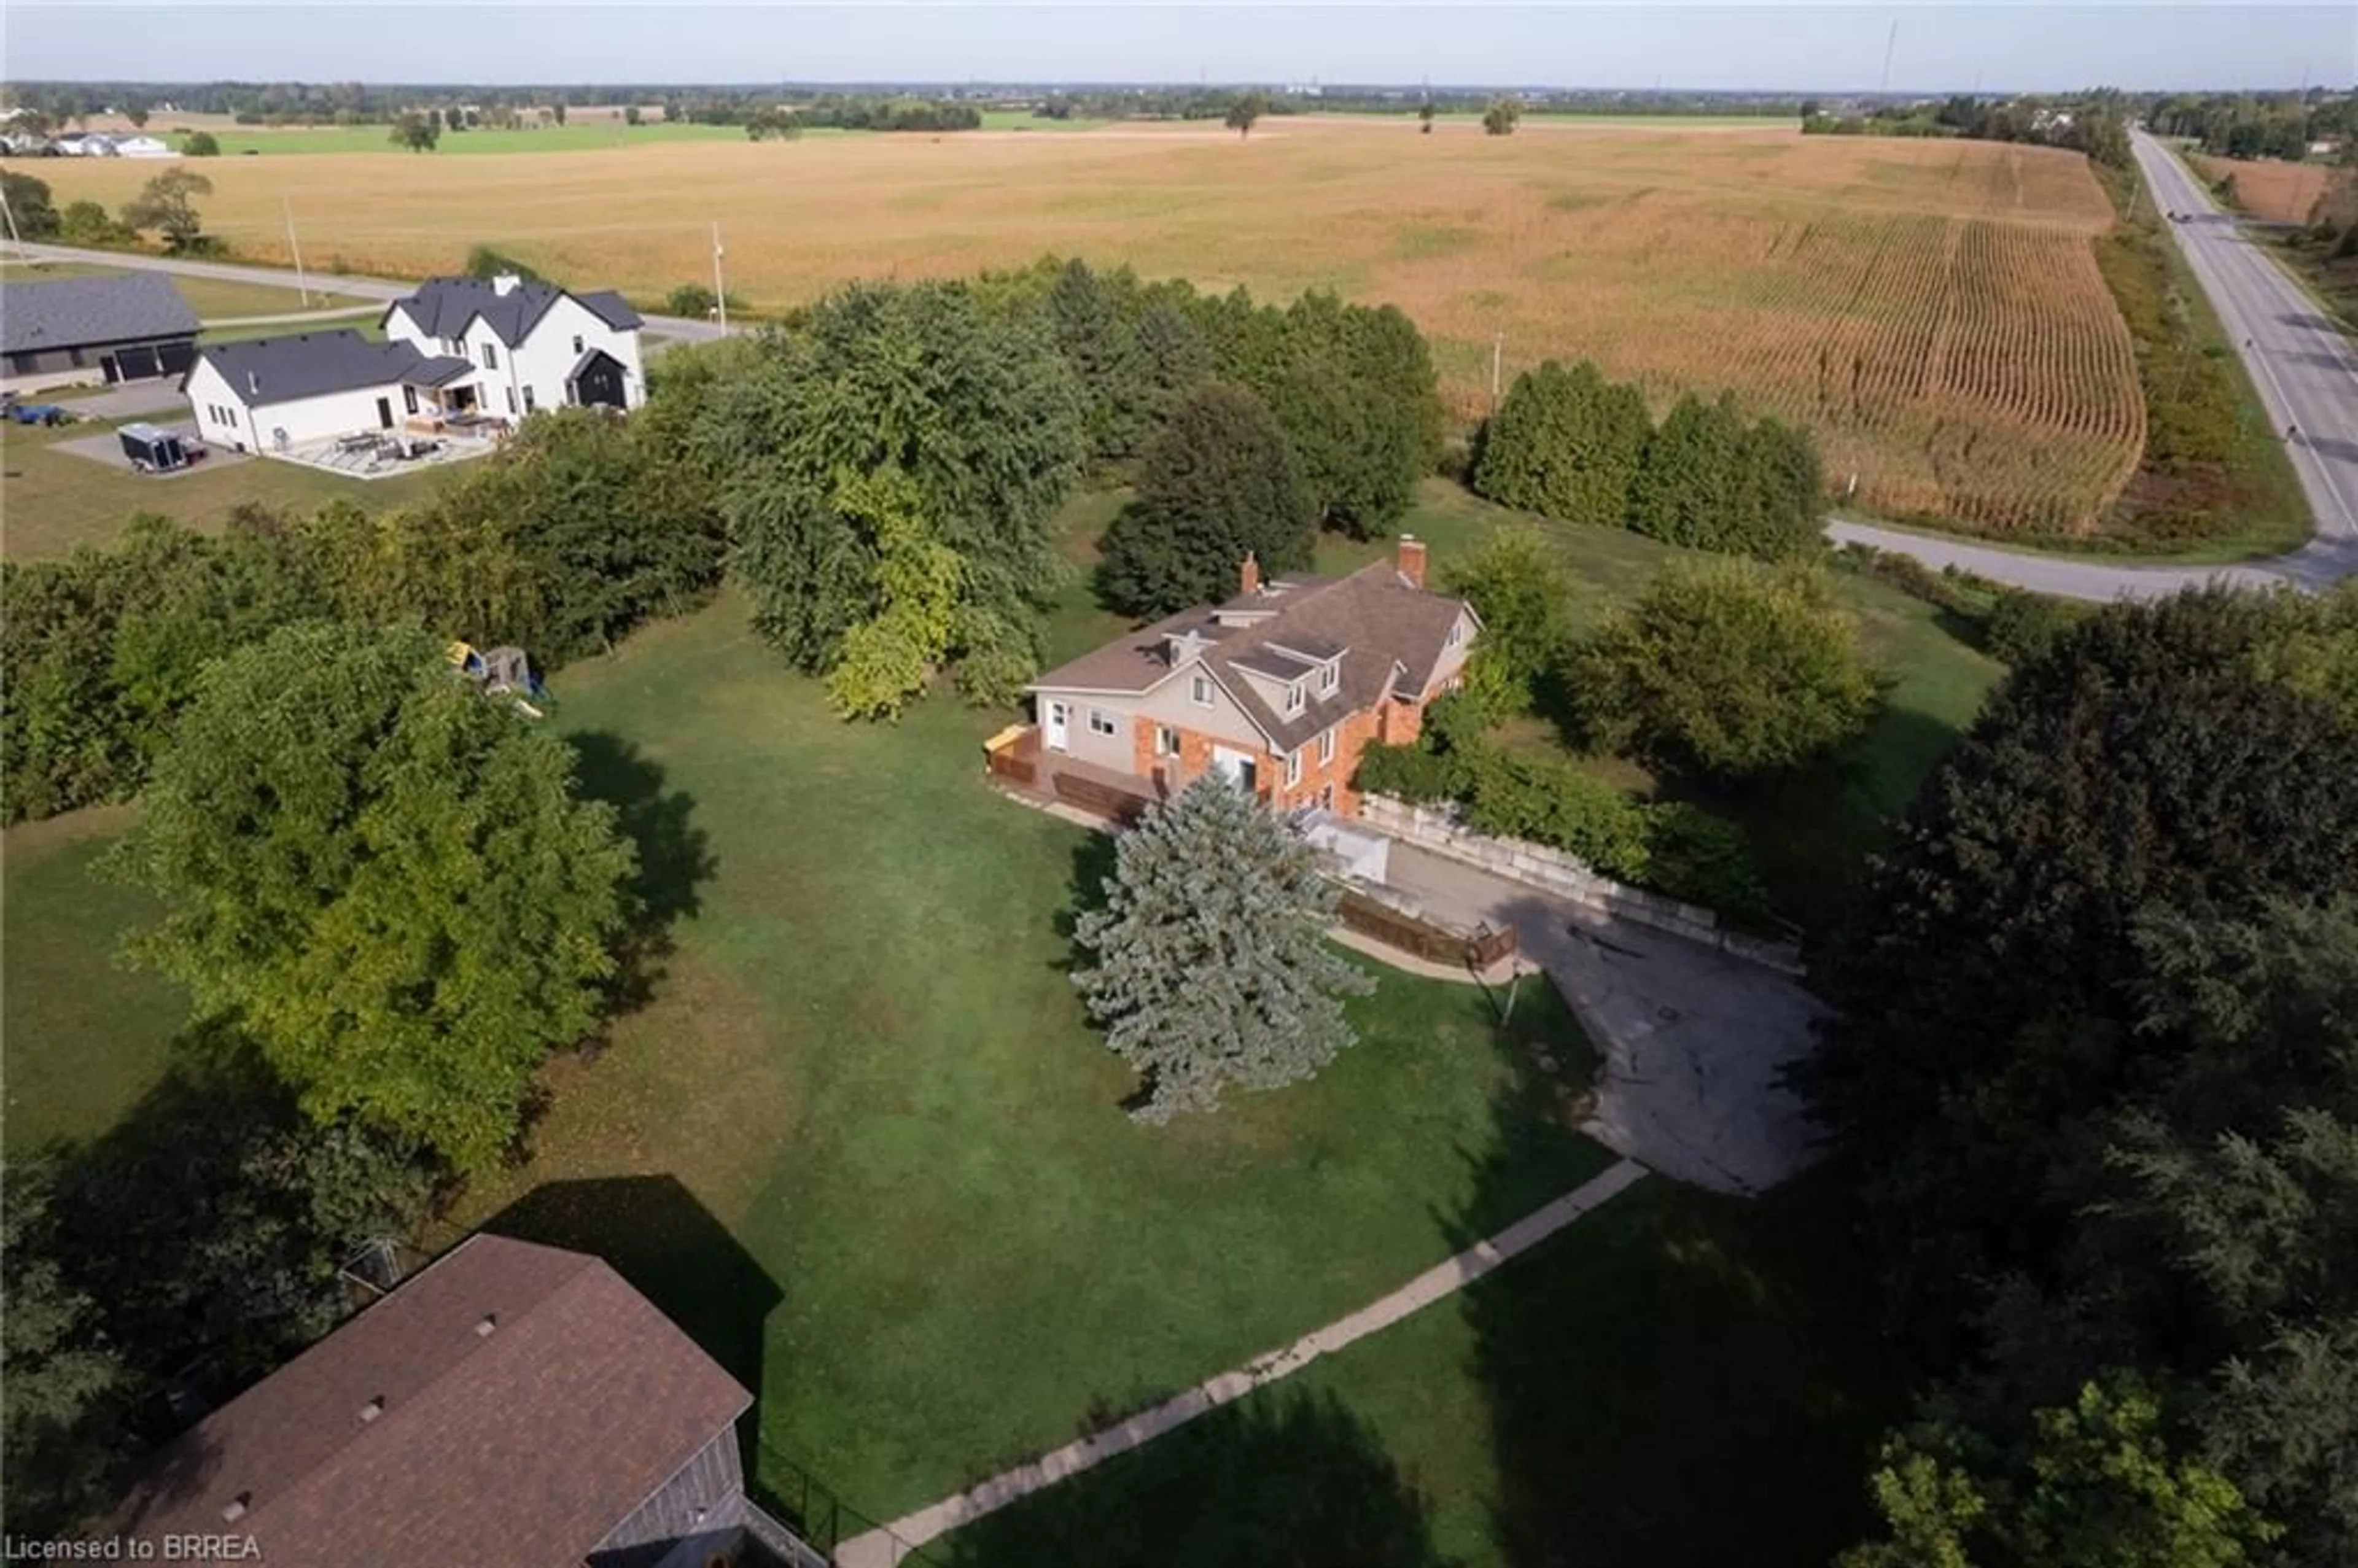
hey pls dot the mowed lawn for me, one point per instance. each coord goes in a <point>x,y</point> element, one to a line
<point>1680,1380</point>
<point>53,500</point>
<point>81,1035</point>
<point>867,1068</point>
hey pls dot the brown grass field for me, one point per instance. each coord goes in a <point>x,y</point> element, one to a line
<point>2270,189</point>
<point>1930,309</point>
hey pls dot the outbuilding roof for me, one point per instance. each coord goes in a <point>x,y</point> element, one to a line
<point>505,1409</point>
<point>264,371</point>
<point>86,312</point>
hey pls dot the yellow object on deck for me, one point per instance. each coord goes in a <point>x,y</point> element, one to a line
<point>1006,738</point>
<point>459,654</point>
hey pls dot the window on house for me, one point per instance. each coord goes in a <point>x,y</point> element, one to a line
<point>1328,679</point>
<point>1201,690</point>
<point>511,408</point>
<point>1101,722</point>
<point>490,356</point>
<point>1456,633</point>
<point>1293,767</point>
<point>409,398</point>
<point>1166,741</point>
<point>527,400</point>
<point>1327,748</point>
<point>1294,697</point>
<point>577,345</point>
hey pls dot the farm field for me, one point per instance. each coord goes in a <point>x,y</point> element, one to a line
<point>1932,309</point>
<point>2268,189</point>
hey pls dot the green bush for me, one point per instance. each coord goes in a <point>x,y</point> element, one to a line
<point>1566,443</point>
<point>1550,802</point>
<point>1411,772</point>
<point>2021,626</point>
<point>1706,859</point>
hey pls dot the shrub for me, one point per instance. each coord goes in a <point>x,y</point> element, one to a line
<point>2022,626</point>
<point>201,144</point>
<point>1549,800</point>
<point>691,299</point>
<point>1412,772</point>
<point>484,262</point>
<point>1726,669</point>
<point>1706,860</point>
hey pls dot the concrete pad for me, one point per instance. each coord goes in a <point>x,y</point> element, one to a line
<point>102,447</point>
<point>1692,1039</point>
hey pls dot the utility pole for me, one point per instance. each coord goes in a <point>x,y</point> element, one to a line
<point>720,289</point>
<point>9,214</point>
<point>1497,351</point>
<point>1888,45</point>
<point>302,291</point>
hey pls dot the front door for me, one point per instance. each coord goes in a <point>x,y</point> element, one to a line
<point>1234,766</point>
<point>385,413</point>
<point>1060,726</point>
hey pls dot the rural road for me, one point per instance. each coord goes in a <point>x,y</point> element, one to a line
<point>2307,376</point>
<point>678,328</point>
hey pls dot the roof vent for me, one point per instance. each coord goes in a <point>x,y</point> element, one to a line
<point>234,1510</point>
<point>253,384</point>
<point>373,1408</point>
<point>484,1329</point>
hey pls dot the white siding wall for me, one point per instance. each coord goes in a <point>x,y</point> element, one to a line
<point>541,362</point>
<point>304,420</point>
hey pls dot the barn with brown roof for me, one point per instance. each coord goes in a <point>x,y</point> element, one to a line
<point>513,1406</point>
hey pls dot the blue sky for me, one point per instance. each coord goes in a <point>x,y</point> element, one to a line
<point>2031,47</point>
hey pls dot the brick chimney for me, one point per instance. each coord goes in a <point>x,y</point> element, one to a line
<point>1248,575</point>
<point>1412,559</point>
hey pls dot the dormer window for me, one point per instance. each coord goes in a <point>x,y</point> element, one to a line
<point>1294,697</point>
<point>1329,679</point>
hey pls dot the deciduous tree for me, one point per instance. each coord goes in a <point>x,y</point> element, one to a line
<point>1208,965</point>
<point>30,204</point>
<point>384,878</point>
<point>167,203</point>
<point>1518,585</point>
<point>1725,669</point>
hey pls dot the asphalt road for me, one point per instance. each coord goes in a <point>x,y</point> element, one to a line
<point>678,329</point>
<point>2307,376</point>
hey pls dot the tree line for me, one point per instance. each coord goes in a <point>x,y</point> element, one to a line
<point>2095,127</point>
<point>2092,1075</point>
<point>2256,124</point>
<point>1570,444</point>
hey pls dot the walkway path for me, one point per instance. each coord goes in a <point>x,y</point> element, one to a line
<point>884,1546</point>
<point>2305,375</point>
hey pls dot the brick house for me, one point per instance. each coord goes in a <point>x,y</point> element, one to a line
<point>1279,688</point>
<point>513,1406</point>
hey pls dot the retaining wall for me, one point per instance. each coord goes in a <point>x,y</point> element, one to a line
<point>1552,872</point>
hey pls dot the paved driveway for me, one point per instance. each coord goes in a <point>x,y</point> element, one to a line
<point>1691,1038</point>
<point>130,401</point>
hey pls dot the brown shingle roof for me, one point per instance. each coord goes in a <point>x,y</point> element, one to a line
<point>1387,628</point>
<point>517,1448</point>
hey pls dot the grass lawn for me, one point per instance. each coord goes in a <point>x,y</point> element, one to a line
<point>81,1037</point>
<point>870,1075</point>
<point>1676,1379</point>
<point>52,501</point>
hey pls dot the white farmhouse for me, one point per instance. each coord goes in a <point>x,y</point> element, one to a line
<point>462,357</point>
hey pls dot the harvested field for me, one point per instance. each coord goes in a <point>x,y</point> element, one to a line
<point>1931,310</point>
<point>2269,188</point>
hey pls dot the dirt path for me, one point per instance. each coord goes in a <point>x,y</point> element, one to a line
<point>887,1546</point>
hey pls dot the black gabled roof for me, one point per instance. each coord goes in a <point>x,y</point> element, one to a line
<point>443,305</point>
<point>263,371</point>
<point>77,312</point>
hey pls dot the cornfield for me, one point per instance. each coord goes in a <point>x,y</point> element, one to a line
<point>2270,189</point>
<point>1931,310</point>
